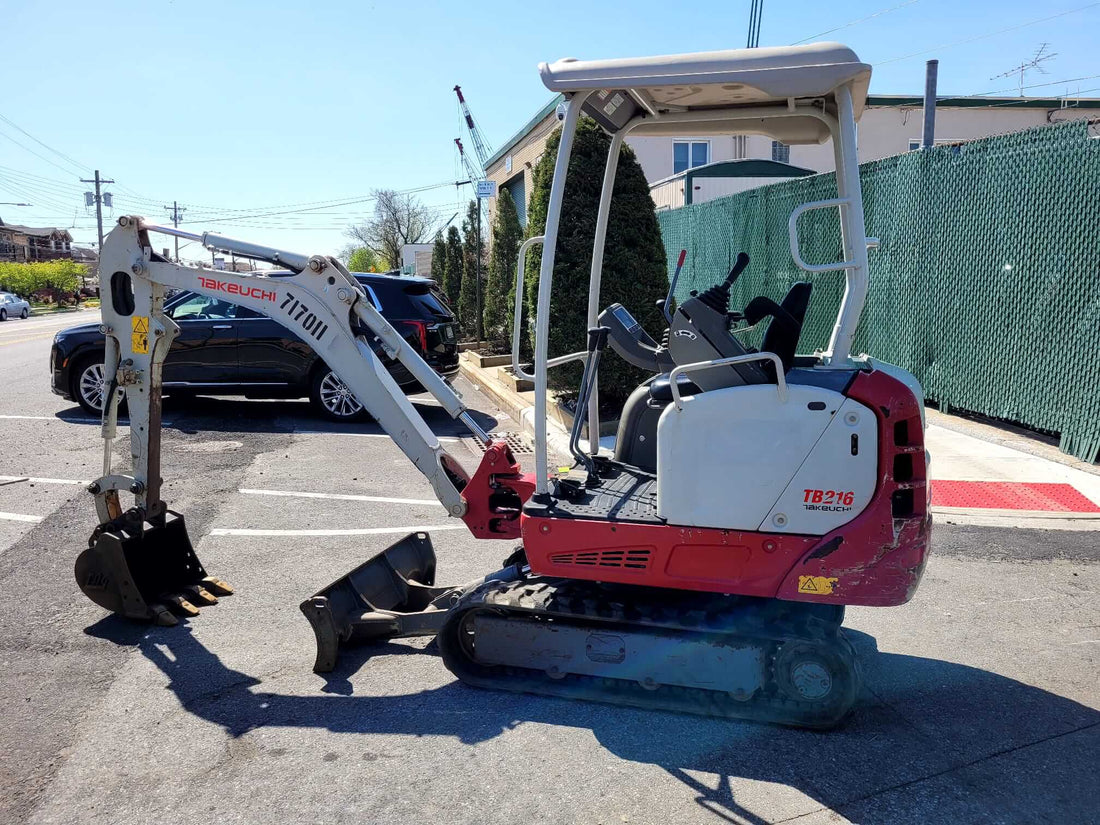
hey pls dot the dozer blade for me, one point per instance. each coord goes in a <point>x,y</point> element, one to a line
<point>134,568</point>
<point>390,595</point>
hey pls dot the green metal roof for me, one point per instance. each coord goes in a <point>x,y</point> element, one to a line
<point>522,133</point>
<point>744,168</point>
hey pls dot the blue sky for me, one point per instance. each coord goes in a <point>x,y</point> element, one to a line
<point>241,109</point>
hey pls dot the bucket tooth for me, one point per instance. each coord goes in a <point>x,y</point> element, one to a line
<point>391,595</point>
<point>217,586</point>
<point>162,616</point>
<point>179,604</point>
<point>196,593</point>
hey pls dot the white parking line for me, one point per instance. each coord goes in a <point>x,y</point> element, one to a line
<point>336,496</point>
<point>36,480</point>
<point>19,517</point>
<point>365,531</point>
<point>441,438</point>
<point>121,423</point>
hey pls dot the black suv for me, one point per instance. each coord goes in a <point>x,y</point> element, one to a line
<point>225,349</point>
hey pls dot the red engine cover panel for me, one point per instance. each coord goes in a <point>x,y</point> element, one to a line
<point>875,559</point>
<point>878,557</point>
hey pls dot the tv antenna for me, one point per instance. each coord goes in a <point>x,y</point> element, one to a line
<point>1037,60</point>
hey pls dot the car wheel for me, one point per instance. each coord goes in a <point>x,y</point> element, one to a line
<point>24,313</point>
<point>3,315</point>
<point>333,399</point>
<point>88,386</point>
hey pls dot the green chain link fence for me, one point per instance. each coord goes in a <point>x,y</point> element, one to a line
<point>986,285</point>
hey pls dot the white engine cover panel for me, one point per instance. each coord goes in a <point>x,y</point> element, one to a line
<point>727,457</point>
<point>837,479</point>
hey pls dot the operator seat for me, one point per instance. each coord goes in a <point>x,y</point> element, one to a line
<point>785,327</point>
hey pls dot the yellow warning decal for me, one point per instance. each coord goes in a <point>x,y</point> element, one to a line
<point>139,338</point>
<point>817,585</point>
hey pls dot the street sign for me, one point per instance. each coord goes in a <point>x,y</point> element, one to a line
<point>486,189</point>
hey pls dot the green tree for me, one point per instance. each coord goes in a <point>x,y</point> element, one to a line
<point>500,287</point>
<point>452,267</point>
<point>364,260</point>
<point>634,266</point>
<point>439,258</point>
<point>473,264</point>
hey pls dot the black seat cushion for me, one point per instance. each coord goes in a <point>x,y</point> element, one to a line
<point>660,389</point>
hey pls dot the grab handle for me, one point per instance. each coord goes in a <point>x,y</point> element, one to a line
<point>517,318</point>
<point>792,232</point>
<point>780,378</point>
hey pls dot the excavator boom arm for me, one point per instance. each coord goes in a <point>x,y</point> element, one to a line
<point>319,304</point>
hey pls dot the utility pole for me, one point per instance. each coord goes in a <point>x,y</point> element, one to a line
<point>98,204</point>
<point>928,135</point>
<point>176,211</point>
<point>477,277</point>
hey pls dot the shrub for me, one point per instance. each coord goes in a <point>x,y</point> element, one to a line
<point>634,267</point>
<point>473,254</point>
<point>452,267</point>
<point>500,288</point>
<point>47,277</point>
<point>364,260</point>
<point>439,258</point>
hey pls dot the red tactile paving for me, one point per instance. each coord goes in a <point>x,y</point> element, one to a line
<point>1011,495</point>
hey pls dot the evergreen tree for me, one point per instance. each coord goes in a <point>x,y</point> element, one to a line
<point>634,266</point>
<point>472,254</point>
<point>500,287</point>
<point>439,258</point>
<point>452,267</point>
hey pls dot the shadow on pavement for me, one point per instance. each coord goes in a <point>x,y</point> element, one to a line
<point>930,741</point>
<point>207,414</point>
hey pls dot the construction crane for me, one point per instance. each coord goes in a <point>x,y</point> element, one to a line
<point>475,172</point>
<point>481,148</point>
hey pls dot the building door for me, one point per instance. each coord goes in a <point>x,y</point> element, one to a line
<point>518,192</point>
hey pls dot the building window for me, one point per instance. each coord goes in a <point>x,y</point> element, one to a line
<point>689,154</point>
<point>781,152</point>
<point>739,147</point>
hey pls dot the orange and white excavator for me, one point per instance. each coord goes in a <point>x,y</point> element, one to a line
<point>706,565</point>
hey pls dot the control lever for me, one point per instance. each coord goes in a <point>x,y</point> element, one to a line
<point>718,296</point>
<point>664,307</point>
<point>597,343</point>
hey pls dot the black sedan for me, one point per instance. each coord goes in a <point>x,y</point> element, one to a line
<point>225,349</point>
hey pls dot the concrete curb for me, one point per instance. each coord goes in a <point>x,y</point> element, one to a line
<point>520,407</point>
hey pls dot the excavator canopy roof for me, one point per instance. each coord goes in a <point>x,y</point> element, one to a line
<point>721,82</point>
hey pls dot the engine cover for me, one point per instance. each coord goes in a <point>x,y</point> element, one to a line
<point>740,458</point>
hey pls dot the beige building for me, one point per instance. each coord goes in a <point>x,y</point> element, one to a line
<point>25,244</point>
<point>890,125</point>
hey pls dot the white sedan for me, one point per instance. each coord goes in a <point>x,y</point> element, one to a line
<point>12,306</point>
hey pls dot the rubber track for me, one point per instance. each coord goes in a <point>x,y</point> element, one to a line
<point>765,622</point>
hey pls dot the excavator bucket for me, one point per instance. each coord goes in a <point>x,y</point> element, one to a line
<point>390,595</point>
<point>138,569</point>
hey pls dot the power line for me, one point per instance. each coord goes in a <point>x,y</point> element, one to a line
<point>41,157</point>
<point>1034,86</point>
<point>878,13</point>
<point>61,155</point>
<point>987,34</point>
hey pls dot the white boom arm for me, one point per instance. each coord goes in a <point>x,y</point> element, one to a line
<point>319,304</point>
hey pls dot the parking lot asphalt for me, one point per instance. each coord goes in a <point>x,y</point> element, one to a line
<point>980,703</point>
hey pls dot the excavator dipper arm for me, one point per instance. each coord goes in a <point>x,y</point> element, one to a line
<point>140,559</point>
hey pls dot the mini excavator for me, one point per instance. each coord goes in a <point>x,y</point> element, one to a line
<point>703,567</point>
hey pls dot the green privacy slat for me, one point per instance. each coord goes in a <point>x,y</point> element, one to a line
<point>986,285</point>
